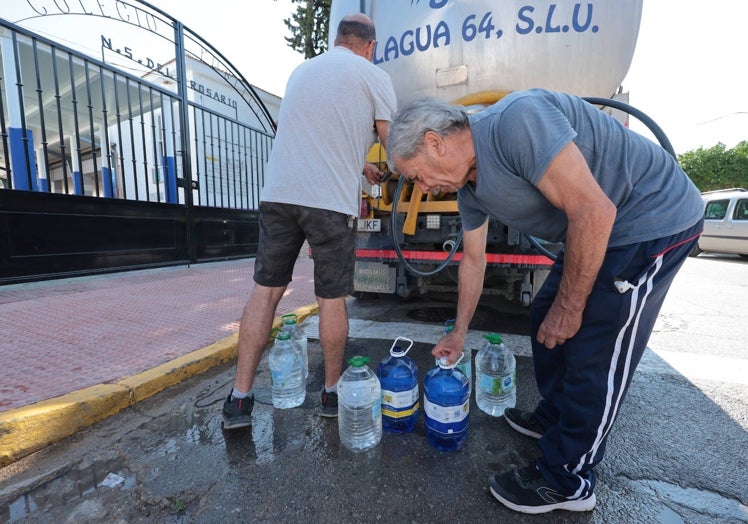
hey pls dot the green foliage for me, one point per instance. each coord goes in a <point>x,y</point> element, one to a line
<point>717,167</point>
<point>309,27</point>
<point>179,507</point>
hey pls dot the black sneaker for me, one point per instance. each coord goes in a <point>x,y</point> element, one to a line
<point>526,490</point>
<point>237,412</point>
<point>329,404</point>
<point>523,422</point>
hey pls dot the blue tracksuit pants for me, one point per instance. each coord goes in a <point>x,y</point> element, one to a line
<point>584,381</point>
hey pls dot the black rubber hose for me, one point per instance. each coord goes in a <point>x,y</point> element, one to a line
<point>396,243</point>
<point>639,115</point>
<point>540,247</point>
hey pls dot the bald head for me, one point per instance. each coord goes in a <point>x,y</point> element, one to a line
<point>355,30</point>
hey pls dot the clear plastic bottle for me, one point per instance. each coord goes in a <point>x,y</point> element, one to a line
<point>359,406</point>
<point>290,323</point>
<point>398,375</point>
<point>466,362</point>
<point>446,407</point>
<point>286,372</point>
<point>495,375</point>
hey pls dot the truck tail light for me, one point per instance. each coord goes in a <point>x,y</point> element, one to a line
<point>364,212</point>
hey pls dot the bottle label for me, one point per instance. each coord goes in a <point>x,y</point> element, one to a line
<point>446,414</point>
<point>400,399</point>
<point>400,404</point>
<point>496,385</point>
<point>376,413</point>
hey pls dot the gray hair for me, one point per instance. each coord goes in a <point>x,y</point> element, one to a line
<point>411,123</point>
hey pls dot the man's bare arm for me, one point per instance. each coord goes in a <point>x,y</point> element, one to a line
<point>569,185</point>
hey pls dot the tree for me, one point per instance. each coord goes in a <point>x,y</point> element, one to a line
<point>309,27</point>
<point>717,167</point>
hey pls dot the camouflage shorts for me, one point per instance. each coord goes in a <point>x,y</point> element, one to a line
<point>331,236</point>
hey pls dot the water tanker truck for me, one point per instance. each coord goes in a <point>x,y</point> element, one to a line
<point>472,53</point>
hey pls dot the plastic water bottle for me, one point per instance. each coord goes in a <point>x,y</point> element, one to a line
<point>466,362</point>
<point>495,368</point>
<point>359,406</point>
<point>398,376</point>
<point>446,406</point>
<point>286,372</point>
<point>290,324</point>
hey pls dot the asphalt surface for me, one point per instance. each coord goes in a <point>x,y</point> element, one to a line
<point>677,453</point>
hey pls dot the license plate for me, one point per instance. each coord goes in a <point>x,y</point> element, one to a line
<point>369,224</point>
<point>374,277</point>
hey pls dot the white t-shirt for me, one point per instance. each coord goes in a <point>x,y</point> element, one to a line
<point>325,129</point>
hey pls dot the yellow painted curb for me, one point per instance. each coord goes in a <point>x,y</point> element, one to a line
<point>150,382</point>
<point>31,428</point>
<point>303,312</point>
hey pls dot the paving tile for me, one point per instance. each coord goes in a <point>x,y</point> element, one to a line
<point>60,336</point>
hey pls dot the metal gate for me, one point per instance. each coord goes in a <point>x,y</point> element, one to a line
<point>104,170</point>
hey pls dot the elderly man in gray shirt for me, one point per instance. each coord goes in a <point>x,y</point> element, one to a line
<point>555,167</point>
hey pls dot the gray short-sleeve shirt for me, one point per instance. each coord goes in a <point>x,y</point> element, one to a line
<point>517,138</point>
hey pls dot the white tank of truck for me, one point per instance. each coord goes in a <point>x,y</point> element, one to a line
<point>460,50</point>
<point>473,52</point>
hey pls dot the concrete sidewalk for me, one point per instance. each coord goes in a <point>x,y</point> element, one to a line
<point>77,350</point>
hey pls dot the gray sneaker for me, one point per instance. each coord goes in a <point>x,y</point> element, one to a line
<point>526,490</point>
<point>237,412</point>
<point>329,404</point>
<point>524,422</point>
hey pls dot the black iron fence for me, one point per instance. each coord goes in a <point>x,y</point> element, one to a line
<point>102,170</point>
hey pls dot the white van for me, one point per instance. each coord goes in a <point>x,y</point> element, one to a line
<point>725,222</point>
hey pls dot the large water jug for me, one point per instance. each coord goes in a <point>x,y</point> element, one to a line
<point>359,406</point>
<point>495,375</point>
<point>290,324</point>
<point>446,406</point>
<point>398,375</point>
<point>466,362</point>
<point>286,372</point>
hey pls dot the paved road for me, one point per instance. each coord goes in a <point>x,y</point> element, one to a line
<point>677,453</point>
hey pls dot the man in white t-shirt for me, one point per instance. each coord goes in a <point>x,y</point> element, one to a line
<point>335,106</point>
